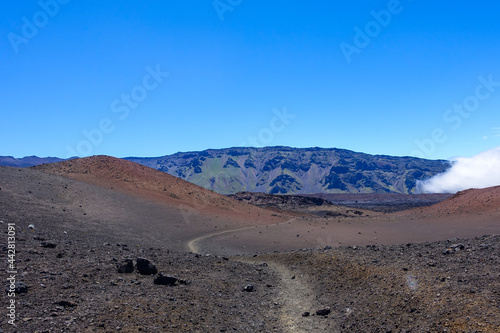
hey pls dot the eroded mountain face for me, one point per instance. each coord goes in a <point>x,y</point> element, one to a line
<point>284,170</point>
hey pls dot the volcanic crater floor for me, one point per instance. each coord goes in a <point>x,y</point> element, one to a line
<point>78,245</point>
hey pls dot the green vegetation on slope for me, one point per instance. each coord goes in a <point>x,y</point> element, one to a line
<point>285,170</point>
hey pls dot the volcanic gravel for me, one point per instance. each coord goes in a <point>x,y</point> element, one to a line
<point>75,250</point>
<point>448,286</point>
<point>76,287</point>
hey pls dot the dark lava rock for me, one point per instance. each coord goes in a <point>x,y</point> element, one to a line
<point>457,247</point>
<point>145,266</point>
<point>454,248</point>
<point>126,266</point>
<point>19,288</point>
<point>249,288</point>
<point>323,311</point>
<point>66,304</point>
<point>48,245</point>
<point>165,280</point>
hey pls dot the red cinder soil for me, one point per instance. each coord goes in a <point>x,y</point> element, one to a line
<point>470,202</point>
<point>469,213</point>
<point>427,269</point>
<point>150,184</point>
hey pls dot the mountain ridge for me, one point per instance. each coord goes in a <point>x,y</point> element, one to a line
<point>27,161</point>
<point>286,170</point>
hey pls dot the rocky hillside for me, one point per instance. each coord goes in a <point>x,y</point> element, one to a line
<point>285,170</point>
<point>279,201</point>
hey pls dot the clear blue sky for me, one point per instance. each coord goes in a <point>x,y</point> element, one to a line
<point>74,67</point>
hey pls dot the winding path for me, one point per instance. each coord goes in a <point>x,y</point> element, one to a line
<point>296,295</point>
<point>192,244</point>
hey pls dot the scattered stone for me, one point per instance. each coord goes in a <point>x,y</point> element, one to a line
<point>66,304</point>
<point>457,247</point>
<point>145,266</point>
<point>48,245</point>
<point>249,288</point>
<point>19,288</point>
<point>126,266</point>
<point>306,314</point>
<point>31,226</point>
<point>323,311</point>
<point>454,248</point>
<point>165,280</point>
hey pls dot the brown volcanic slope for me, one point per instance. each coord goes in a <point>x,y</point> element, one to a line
<point>69,237</point>
<point>144,182</point>
<point>484,201</point>
<point>469,213</point>
<point>170,207</point>
<point>81,231</point>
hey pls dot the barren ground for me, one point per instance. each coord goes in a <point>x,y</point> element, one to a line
<point>423,270</point>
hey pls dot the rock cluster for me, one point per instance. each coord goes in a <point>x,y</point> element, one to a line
<point>145,266</point>
<point>86,284</point>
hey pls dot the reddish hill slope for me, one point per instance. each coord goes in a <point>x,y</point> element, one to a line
<point>475,202</point>
<point>467,214</point>
<point>150,184</point>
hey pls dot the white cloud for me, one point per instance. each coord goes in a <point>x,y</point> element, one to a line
<point>482,170</point>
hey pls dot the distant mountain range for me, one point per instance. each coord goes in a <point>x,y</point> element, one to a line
<point>27,161</point>
<point>285,170</point>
